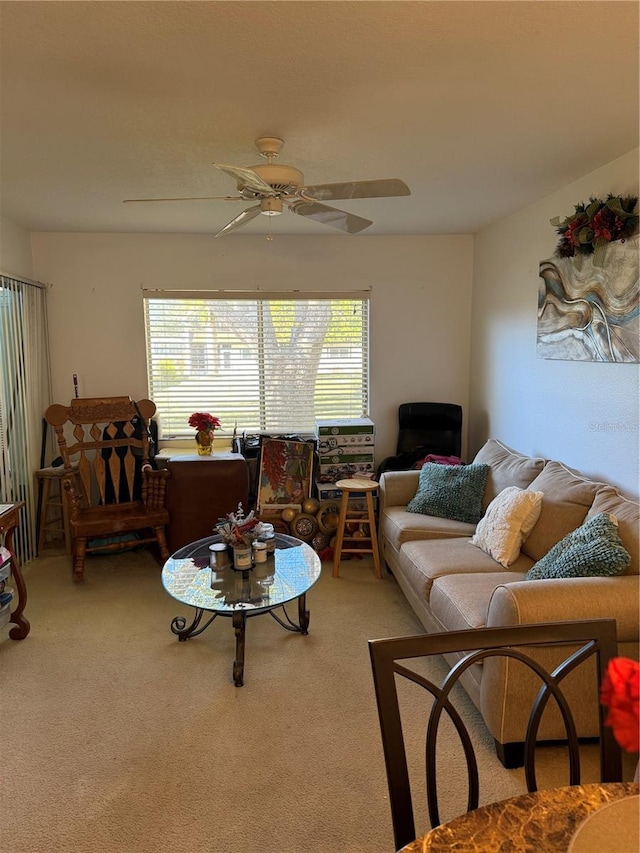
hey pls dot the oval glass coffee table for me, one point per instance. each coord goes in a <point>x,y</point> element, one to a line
<point>287,575</point>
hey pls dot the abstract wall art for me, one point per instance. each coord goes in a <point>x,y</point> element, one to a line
<point>589,293</point>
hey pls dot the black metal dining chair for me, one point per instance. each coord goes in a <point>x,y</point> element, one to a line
<point>391,661</point>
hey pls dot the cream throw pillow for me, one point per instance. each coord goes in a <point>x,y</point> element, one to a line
<point>509,519</point>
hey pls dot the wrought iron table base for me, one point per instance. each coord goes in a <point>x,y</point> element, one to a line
<point>239,620</point>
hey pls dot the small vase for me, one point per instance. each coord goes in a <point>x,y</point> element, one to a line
<point>204,441</point>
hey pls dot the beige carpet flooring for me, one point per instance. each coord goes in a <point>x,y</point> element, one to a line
<point>116,738</point>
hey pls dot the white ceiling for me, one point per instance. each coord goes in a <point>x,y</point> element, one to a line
<point>481,107</point>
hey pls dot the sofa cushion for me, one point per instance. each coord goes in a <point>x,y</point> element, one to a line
<point>593,550</point>
<point>508,521</point>
<point>399,526</point>
<point>566,501</point>
<point>462,601</point>
<point>627,513</point>
<point>450,491</point>
<point>423,562</point>
<point>507,468</point>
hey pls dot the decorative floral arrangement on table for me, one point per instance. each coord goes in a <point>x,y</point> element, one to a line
<point>205,425</point>
<point>591,226</point>
<point>620,692</point>
<point>239,529</point>
<point>204,422</point>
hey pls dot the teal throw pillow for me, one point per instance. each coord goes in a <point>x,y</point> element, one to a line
<point>593,550</point>
<point>451,491</point>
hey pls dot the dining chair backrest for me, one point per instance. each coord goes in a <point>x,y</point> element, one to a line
<point>395,661</point>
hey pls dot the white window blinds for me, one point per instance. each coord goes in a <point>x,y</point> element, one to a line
<point>24,395</point>
<point>266,363</point>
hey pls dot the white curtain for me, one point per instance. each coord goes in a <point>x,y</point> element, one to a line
<point>24,396</point>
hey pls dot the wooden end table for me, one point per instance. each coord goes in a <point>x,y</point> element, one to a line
<point>9,520</point>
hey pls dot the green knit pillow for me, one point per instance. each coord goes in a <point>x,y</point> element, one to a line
<point>451,491</point>
<point>593,550</point>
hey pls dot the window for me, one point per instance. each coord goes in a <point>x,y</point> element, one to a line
<point>24,395</point>
<point>266,363</point>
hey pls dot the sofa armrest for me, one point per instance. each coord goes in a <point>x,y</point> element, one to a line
<point>507,691</point>
<point>558,600</point>
<point>397,488</point>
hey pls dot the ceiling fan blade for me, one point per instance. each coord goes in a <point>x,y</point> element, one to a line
<point>247,178</point>
<point>348,222</point>
<point>384,188</point>
<point>188,198</point>
<point>240,220</point>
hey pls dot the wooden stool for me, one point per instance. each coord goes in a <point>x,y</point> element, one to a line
<point>56,500</point>
<point>364,517</point>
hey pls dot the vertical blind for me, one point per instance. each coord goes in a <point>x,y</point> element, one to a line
<point>262,363</point>
<point>24,395</point>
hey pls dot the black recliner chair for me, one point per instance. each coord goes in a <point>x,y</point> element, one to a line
<point>423,429</point>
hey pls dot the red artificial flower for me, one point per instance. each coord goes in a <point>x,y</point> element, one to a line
<point>603,224</point>
<point>620,692</point>
<point>204,422</point>
<point>569,234</point>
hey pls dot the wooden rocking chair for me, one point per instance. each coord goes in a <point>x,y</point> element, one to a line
<point>116,499</point>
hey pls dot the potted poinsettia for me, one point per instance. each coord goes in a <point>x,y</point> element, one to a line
<point>620,692</point>
<point>205,424</point>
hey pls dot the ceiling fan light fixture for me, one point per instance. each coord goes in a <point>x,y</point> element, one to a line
<point>271,206</point>
<point>269,186</point>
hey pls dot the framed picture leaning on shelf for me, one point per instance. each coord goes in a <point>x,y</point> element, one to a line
<point>285,474</point>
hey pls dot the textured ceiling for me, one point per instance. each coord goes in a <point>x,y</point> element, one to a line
<point>481,107</point>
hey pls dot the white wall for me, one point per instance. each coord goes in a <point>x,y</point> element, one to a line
<point>15,249</point>
<point>420,304</point>
<point>422,309</point>
<point>583,413</point>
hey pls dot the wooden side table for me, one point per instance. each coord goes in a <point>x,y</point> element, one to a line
<point>200,490</point>
<point>9,520</point>
<point>366,544</point>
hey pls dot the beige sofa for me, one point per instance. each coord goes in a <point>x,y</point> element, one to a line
<point>452,584</point>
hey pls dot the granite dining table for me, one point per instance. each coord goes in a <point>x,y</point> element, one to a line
<point>545,821</point>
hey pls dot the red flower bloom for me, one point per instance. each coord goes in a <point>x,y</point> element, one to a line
<point>570,234</point>
<point>204,422</point>
<point>620,692</point>
<point>603,229</point>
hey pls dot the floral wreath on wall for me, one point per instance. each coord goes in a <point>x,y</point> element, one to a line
<point>589,229</point>
<point>589,295</point>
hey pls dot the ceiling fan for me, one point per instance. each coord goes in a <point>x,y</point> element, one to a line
<point>274,186</point>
